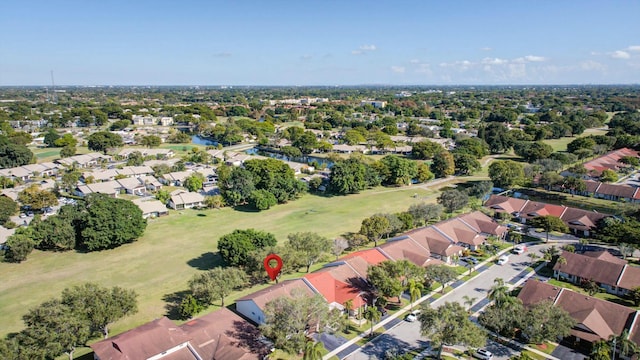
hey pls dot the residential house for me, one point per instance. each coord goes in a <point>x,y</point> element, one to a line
<point>109,188</point>
<point>151,208</point>
<point>175,178</point>
<point>185,200</point>
<point>27,172</point>
<point>610,161</point>
<point>339,283</point>
<point>408,249</point>
<point>151,183</point>
<point>220,335</point>
<point>158,153</point>
<point>252,306</point>
<point>440,246</point>
<point>470,230</point>
<point>612,274</point>
<point>131,185</point>
<point>85,160</point>
<point>596,319</point>
<point>580,222</point>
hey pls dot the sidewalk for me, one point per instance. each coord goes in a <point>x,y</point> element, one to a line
<point>480,268</point>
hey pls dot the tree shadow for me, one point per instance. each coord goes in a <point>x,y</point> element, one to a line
<point>383,343</point>
<point>172,304</point>
<point>201,215</point>
<point>206,261</point>
<point>246,208</point>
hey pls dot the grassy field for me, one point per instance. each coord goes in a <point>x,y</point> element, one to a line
<point>561,144</point>
<point>176,247</point>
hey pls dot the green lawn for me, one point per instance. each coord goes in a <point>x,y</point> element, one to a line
<point>176,247</point>
<point>561,144</point>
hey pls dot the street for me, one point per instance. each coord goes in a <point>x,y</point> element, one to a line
<point>407,335</point>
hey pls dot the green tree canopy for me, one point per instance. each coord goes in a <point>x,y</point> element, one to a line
<point>453,200</point>
<point>217,284</point>
<point>236,246</point>
<point>310,246</point>
<point>443,164</point>
<point>103,141</point>
<point>506,174</point>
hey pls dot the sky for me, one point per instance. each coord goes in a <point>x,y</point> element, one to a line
<point>328,42</point>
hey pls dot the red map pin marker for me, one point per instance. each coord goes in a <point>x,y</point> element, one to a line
<point>273,271</point>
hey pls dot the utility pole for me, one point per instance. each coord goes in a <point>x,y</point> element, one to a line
<point>54,97</point>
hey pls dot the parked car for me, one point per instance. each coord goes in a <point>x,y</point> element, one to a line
<point>382,310</point>
<point>519,249</point>
<point>483,354</point>
<point>413,316</point>
<point>503,260</point>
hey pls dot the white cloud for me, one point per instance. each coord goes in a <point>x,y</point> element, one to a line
<point>596,53</point>
<point>363,49</point>
<point>414,61</point>
<point>633,48</point>
<point>222,54</point>
<point>494,61</point>
<point>534,58</point>
<point>398,69</point>
<point>590,65</point>
<point>486,48</point>
<point>619,54</point>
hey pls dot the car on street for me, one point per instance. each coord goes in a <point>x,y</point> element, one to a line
<point>503,260</point>
<point>470,260</point>
<point>519,249</point>
<point>483,354</point>
<point>413,316</point>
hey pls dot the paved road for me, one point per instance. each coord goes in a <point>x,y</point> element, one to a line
<point>407,335</point>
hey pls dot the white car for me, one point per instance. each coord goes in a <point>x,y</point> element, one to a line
<point>413,316</point>
<point>519,249</point>
<point>483,354</point>
<point>503,260</point>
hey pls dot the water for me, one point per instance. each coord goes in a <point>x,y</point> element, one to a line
<point>199,140</point>
<point>303,159</point>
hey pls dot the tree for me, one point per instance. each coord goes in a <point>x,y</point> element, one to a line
<point>235,247</point>
<point>453,200</point>
<point>313,350</point>
<point>626,250</point>
<point>8,208</point>
<point>100,306</point>
<point>307,142</point>
<point>54,233</point>
<point>442,274</point>
<point>634,295</point>
<point>532,151</point>
<point>400,171</point>
<point>56,329</point>
<point>424,212</point>
<point>163,196</point>
<point>374,227</point>
<point>443,164</point>
<point>506,174</point>
<point>338,246</point>
<point>505,318</point>
<point>14,155</point>
<point>600,350</point>
<point>373,315</point>
<point>415,291</point>
<point>236,188</point>
<point>608,175</point>
<point>109,222</point>
<point>66,140</point>
<point>468,301</point>
<point>466,164</point>
<point>424,173</point>
<point>449,324</point>
<point>194,182</point>
<point>68,151</point>
<point>549,223</point>
<point>262,199</point>
<point>151,141</point>
<point>347,177</point>
<point>135,159</point>
<point>103,141</point>
<point>543,321</point>
<point>189,306</point>
<point>497,137</point>
<point>311,246</point>
<point>288,318</point>
<point>498,292</point>
<point>217,283</point>
<point>19,247</point>
<point>50,137</point>
<point>426,149</point>
<point>36,198</point>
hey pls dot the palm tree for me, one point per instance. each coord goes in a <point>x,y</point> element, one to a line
<point>498,292</point>
<point>373,315</point>
<point>348,306</point>
<point>601,350</point>
<point>415,290</point>
<point>622,342</point>
<point>313,350</point>
<point>468,301</point>
<point>533,256</point>
<point>562,261</point>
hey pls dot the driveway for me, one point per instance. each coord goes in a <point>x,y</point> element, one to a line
<point>565,353</point>
<point>407,335</point>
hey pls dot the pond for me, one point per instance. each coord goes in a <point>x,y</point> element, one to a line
<point>302,159</point>
<point>199,140</point>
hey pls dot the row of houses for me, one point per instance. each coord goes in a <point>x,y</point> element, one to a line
<point>345,280</point>
<point>596,319</point>
<point>609,161</point>
<point>611,273</point>
<point>580,222</point>
<point>225,335</point>
<point>614,192</point>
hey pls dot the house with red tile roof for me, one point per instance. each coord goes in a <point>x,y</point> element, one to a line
<point>596,319</point>
<point>221,335</point>
<point>408,249</point>
<point>612,274</point>
<point>610,160</point>
<point>580,222</point>
<point>252,306</point>
<point>439,245</point>
<point>338,283</point>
